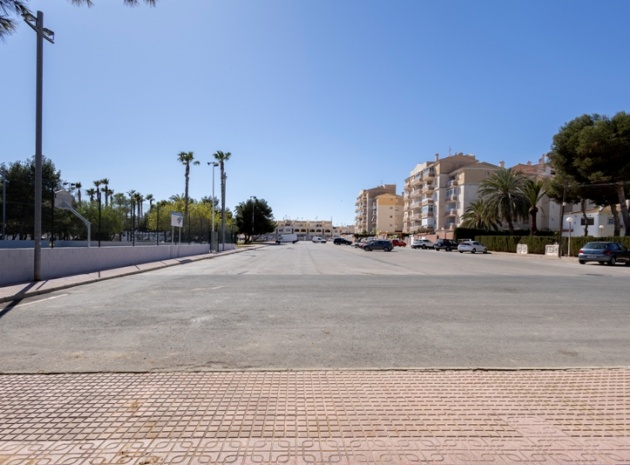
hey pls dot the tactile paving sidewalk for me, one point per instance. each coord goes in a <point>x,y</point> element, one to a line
<point>317,417</point>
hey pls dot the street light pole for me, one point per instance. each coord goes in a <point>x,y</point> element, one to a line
<point>570,221</point>
<point>214,164</point>
<point>37,24</point>
<point>253,210</point>
<point>4,204</point>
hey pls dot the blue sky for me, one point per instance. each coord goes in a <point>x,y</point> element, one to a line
<point>315,100</point>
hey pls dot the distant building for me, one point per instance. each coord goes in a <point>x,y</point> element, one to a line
<point>379,211</point>
<point>305,229</point>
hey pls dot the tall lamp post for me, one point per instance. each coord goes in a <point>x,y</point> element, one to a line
<point>98,197</point>
<point>4,204</point>
<point>570,221</point>
<point>37,24</point>
<point>601,230</point>
<point>214,164</point>
<point>253,198</point>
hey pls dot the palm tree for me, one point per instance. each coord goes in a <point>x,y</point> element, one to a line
<point>222,158</point>
<point>503,193</point>
<point>78,187</point>
<point>478,216</point>
<point>139,198</point>
<point>186,158</point>
<point>7,25</point>
<point>534,191</point>
<point>105,182</point>
<point>91,193</point>
<point>150,199</point>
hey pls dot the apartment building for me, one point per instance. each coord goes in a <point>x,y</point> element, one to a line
<point>305,229</point>
<point>438,192</point>
<point>387,210</point>
<point>373,215</point>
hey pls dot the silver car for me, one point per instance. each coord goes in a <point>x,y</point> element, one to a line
<point>472,247</point>
<point>604,252</point>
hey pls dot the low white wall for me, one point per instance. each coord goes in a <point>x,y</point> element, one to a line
<point>17,265</point>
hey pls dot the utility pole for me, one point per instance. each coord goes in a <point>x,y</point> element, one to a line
<point>37,24</point>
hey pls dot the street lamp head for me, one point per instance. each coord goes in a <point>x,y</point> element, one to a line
<point>213,163</point>
<point>28,16</point>
<point>570,220</point>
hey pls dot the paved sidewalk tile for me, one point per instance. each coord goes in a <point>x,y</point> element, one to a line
<point>318,417</point>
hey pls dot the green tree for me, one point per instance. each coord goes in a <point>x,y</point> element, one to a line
<point>20,201</point>
<point>258,211</point>
<point>18,7</point>
<point>186,158</point>
<point>593,151</point>
<point>222,157</point>
<point>503,194</point>
<point>479,216</point>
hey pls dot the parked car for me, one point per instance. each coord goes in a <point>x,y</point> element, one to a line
<point>399,243</point>
<point>472,247</point>
<point>360,243</point>
<point>604,252</point>
<point>378,244</point>
<point>287,238</point>
<point>422,244</point>
<point>341,241</point>
<point>319,240</point>
<point>445,244</point>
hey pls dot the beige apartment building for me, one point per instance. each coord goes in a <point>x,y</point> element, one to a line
<point>305,229</point>
<point>379,211</point>
<point>438,192</point>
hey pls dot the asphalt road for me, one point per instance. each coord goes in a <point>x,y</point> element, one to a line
<point>321,306</point>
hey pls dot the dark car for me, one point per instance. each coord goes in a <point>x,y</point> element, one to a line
<point>387,246</point>
<point>604,252</point>
<point>445,244</point>
<point>341,241</point>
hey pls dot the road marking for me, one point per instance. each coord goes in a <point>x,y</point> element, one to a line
<point>41,300</point>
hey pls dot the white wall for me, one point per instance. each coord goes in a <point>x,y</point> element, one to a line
<point>17,265</point>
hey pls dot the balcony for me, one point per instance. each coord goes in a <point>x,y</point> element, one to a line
<point>451,212</point>
<point>428,174</point>
<point>452,183</point>
<point>428,201</point>
<point>428,186</point>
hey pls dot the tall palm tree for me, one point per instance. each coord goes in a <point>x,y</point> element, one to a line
<point>139,198</point>
<point>222,157</point>
<point>78,186</point>
<point>186,158</point>
<point>91,193</point>
<point>478,216</point>
<point>503,193</point>
<point>534,191</point>
<point>105,182</point>
<point>150,199</point>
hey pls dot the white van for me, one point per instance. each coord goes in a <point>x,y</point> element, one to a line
<point>287,238</point>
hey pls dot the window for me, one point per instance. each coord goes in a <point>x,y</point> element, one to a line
<point>589,221</point>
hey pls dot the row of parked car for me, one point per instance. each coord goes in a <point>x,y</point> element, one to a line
<point>466,245</point>
<point>601,252</point>
<point>388,245</point>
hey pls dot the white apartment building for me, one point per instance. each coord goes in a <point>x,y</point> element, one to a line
<point>438,192</point>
